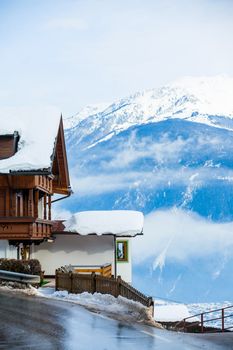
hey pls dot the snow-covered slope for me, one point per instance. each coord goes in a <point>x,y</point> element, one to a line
<point>157,150</point>
<point>87,111</point>
<point>201,100</point>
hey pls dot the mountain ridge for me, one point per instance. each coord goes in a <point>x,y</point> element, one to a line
<point>164,151</point>
<point>202,100</point>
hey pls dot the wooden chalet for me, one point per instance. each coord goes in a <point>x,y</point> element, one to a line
<point>33,167</point>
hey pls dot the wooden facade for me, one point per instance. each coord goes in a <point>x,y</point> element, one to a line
<point>26,196</point>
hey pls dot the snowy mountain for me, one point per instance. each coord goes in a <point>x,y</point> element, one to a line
<point>201,100</point>
<point>158,150</point>
<point>72,121</point>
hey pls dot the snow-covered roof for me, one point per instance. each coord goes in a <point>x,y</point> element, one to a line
<point>172,313</point>
<point>37,129</point>
<point>116,222</point>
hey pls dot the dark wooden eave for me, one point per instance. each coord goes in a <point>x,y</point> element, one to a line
<point>58,228</point>
<point>8,145</point>
<point>61,182</point>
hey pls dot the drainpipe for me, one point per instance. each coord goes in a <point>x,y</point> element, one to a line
<point>59,199</point>
<point>115,257</point>
<point>18,252</point>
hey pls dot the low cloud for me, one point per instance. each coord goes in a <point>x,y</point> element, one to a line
<point>133,150</point>
<point>103,183</point>
<point>163,151</point>
<point>179,235</point>
<point>192,179</point>
<point>145,163</point>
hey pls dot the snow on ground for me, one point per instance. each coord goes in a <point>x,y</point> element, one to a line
<point>198,308</point>
<point>166,311</point>
<point>130,311</point>
<point>119,308</point>
<point>29,290</point>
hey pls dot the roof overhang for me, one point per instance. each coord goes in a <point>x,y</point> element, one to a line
<point>118,223</point>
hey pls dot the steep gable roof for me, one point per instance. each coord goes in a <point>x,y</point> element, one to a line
<point>37,134</point>
<point>40,147</point>
<point>61,183</point>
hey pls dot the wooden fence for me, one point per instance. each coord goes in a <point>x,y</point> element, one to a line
<point>78,283</point>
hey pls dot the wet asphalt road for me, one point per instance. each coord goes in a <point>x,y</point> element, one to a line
<point>28,322</point>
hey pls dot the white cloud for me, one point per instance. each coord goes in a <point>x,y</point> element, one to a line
<point>161,151</point>
<point>60,213</point>
<point>133,150</point>
<point>66,23</point>
<point>105,182</point>
<point>102,183</point>
<point>176,234</point>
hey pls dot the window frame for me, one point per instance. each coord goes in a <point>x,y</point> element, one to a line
<point>125,257</point>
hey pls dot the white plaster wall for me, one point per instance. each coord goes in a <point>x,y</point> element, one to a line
<point>124,268</point>
<point>75,250</point>
<point>7,251</point>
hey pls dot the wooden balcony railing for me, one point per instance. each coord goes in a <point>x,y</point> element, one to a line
<point>13,228</point>
<point>103,270</point>
<point>44,182</point>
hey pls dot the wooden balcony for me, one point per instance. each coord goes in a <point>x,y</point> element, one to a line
<point>44,183</point>
<point>24,228</point>
<point>40,182</point>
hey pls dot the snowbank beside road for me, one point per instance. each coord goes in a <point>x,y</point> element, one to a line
<point>119,308</point>
<point>7,286</point>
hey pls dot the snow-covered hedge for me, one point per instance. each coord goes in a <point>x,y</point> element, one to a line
<point>31,267</point>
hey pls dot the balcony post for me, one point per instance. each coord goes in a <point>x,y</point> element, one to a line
<point>45,206</point>
<point>36,203</point>
<point>202,323</point>
<point>31,203</point>
<point>49,204</point>
<point>223,326</point>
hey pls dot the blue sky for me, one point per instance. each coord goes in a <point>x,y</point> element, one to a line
<point>73,53</point>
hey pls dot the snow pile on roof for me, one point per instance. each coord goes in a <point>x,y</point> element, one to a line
<point>37,129</point>
<point>116,222</point>
<point>171,313</point>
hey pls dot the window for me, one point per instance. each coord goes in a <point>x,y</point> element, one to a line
<point>41,208</point>
<point>122,251</point>
<point>19,203</point>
